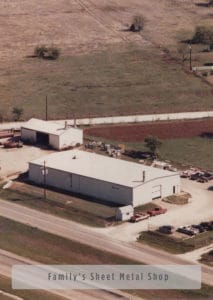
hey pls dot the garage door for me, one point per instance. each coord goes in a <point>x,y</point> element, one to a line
<point>156,192</point>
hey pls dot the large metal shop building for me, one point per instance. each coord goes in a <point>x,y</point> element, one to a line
<point>102,177</point>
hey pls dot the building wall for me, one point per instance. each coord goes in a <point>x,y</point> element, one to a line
<point>54,141</point>
<point>81,184</point>
<point>28,135</point>
<point>144,193</point>
<point>70,138</point>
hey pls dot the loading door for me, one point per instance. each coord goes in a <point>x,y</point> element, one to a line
<point>156,192</point>
<point>42,138</point>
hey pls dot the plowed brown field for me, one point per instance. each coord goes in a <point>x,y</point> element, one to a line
<point>163,130</point>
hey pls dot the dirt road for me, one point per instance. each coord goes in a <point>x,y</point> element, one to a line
<point>83,234</point>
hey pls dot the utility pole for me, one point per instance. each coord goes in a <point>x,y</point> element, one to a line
<point>190,57</point>
<point>46,109</point>
<point>44,172</point>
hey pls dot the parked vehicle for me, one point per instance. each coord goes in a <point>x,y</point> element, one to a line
<point>185,230</point>
<point>199,228</point>
<point>13,144</point>
<point>207,225</point>
<point>139,217</point>
<point>167,229</point>
<point>6,134</point>
<point>157,211</point>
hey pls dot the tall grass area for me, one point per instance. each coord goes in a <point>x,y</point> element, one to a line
<point>113,82</point>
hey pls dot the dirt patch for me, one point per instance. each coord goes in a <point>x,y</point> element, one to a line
<point>163,130</point>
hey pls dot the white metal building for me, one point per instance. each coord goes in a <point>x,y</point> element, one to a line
<point>124,213</point>
<point>37,131</point>
<point>102,177</point>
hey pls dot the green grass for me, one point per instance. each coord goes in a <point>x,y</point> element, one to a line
<point>207,258</point>
<point>111,82</point>
<point>195,151</point>
<point>177,199</point>
<point>175,245</point>
<point>205,293</point>
<point>51,249</point>
<point>47,248</point>
<point>79,209</point>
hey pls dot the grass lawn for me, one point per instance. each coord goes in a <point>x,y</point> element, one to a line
<point>79,209</point>
<point>175,245</point>
<point>47,248</point>
<point>5,285</point>
<point>112,82</point>
<point>51,249</point>
<point>196,151</point>
<point>207,258</point>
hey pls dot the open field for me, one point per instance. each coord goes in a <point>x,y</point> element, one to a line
<point>163,130</point>
<point>76,208</point>
<point>101,84</point>
<point>118,72</point>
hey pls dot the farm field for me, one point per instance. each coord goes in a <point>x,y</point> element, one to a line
<point>103,69</point>
<point>163,130</point>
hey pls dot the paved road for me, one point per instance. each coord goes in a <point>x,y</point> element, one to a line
<point>7,260</point>
<point>85,235</point>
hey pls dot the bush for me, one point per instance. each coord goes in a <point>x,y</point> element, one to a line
<point>53,53</point>
<point>17,113</point>
<point>47,52</point>
<point>203,35</point>
<point>40,51</point>
<point>137,24</point>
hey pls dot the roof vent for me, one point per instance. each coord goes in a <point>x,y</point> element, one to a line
<point>74,157</point>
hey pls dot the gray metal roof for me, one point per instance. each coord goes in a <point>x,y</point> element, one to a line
<point>101,167</point>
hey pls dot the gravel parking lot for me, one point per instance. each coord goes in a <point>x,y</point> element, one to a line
<point>199,209</point>
<point>14,161</point>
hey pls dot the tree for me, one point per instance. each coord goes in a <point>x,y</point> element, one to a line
<point>53,53</point>
<point>137,24</point>
<point>152,143</point>
<point>203,35</point>
<point>40,51</point>
<point>17,113</point>
<point>47,52</point>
